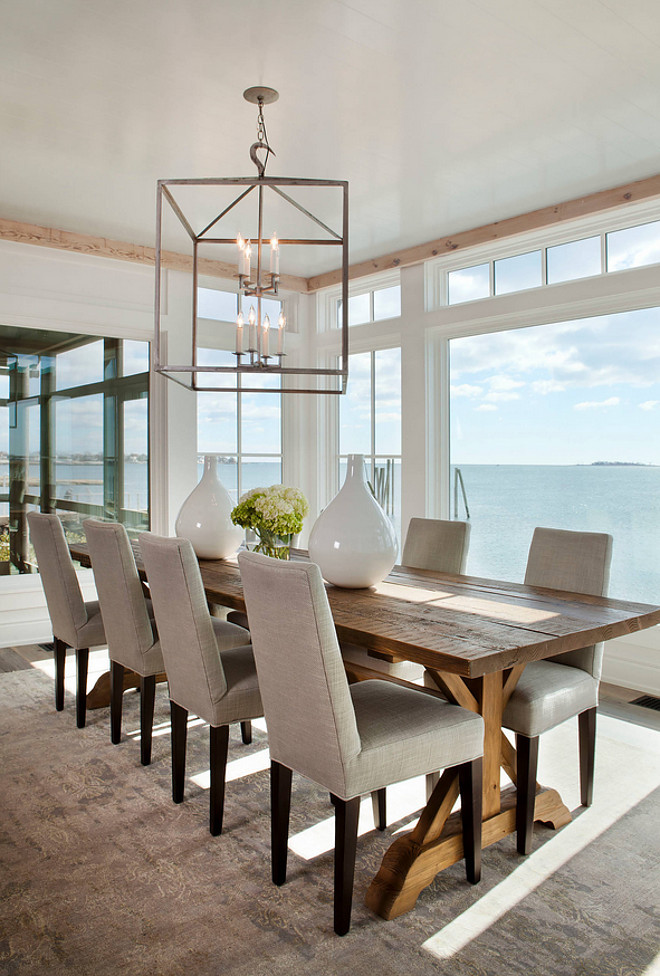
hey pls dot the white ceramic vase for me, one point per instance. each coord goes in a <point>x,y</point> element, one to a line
<point>352,540</point>
<point>205,517</point>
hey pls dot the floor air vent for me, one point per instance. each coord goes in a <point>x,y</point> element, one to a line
<point>647,701</point>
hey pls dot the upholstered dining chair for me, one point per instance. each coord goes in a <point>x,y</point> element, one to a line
<point>549,692</point>
<point>209,662</point>
<point>366,735</point>
<point>440,545</point>
<point>132,644</point>
<point>76,623</point>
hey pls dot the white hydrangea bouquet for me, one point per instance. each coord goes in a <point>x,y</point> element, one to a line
<point>274,514</point>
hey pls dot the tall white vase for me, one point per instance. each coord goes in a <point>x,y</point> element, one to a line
<point>205,517</point>
<point>352,540</point>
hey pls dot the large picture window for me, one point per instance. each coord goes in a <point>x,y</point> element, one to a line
<point>74,434</point>
<point>370,424</point>
<point>557,425</point>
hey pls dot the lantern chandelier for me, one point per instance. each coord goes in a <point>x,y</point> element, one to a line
<point>260,347</point>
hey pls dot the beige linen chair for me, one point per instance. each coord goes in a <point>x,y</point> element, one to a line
<point>365,736</point>
<point>75,623</point>
<point>209,663</point>
<point>132,643</point>
<point>551,691</point>
<point>440,545</point>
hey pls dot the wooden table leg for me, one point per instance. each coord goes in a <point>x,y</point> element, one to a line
<point>99,695</point>
<point>436,842</point>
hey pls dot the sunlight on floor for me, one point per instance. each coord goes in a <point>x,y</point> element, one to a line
<point>654,968</point>
<point>627,770</point>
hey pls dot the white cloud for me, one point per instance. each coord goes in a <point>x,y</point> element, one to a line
<point>495,397</point>
<point>504,383</point>
<point>486,406</point>
<point>547,386</point>
<point>595,404</point>
<point>466,390</point>
<point>649,404</point>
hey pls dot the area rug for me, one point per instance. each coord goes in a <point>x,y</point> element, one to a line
<point>101,873</point>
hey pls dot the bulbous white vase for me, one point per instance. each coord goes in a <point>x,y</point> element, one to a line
<point>205,517</point>
<point>352,540</point>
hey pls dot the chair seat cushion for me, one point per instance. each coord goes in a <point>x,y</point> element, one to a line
<point>406,733</point>
<point>92,632</point>
<point>229,635</point>
<point>242,699</point>
<point>547,694</point>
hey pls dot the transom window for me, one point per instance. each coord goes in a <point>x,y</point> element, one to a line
<point>616,250</point>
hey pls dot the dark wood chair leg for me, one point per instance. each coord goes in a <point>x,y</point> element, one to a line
<point>470,776</point>
<point>379,806</point>
<point>179,717</point>
<point>147,699</point>
<point>116,700</point>
<point>82,663</point>
<point>347,813</point>
<point>527,756</point>
<point>60,658</point>
<point>587,734</point>
<point>280,805</point>
<point>246,732</point>
<point>219,748</point>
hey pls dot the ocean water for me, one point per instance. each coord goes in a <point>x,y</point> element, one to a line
<point>505,502</point>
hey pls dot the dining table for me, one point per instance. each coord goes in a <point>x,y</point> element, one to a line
<point>473,637</point>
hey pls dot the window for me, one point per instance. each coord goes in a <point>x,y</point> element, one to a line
<point>73,434</point>
<point>468,284</point>
<point>578,259</point>
<point>372,306</point>
<point>630,247</point>
<point>244,431</point>
<point>370,424</point>
<point>557,425</point>
<point>633,247</point>
<point>518,273</point>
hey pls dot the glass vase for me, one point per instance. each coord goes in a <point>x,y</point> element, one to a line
<point>268,543</point>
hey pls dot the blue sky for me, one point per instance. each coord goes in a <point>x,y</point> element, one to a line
<point>572,393</point>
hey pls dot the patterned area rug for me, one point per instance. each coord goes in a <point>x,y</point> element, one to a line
<point>101,873</point>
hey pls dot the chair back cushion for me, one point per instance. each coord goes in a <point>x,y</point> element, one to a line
<point>304,689</point>
<point>437,544</point>
<point>579,562</point>
<point>195,673</point>
<point>66,606</point>
<point>125,617</point>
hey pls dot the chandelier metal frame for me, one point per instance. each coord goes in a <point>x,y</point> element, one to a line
<point>257,361</point>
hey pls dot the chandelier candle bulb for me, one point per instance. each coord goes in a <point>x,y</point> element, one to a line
<point>239,332</point>
<point>264,337</point>
<point>252,322</point>
<point>274,255</point>
<point>281,324</point>
<point>247,256</point>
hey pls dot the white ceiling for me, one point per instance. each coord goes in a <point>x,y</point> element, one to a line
<point>442,114</point>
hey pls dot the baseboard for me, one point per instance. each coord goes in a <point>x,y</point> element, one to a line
<point>634,662</point>
<point>23,613</point>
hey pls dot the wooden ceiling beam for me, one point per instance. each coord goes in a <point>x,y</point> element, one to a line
<point>63,240</point>
<point>535,220</point>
